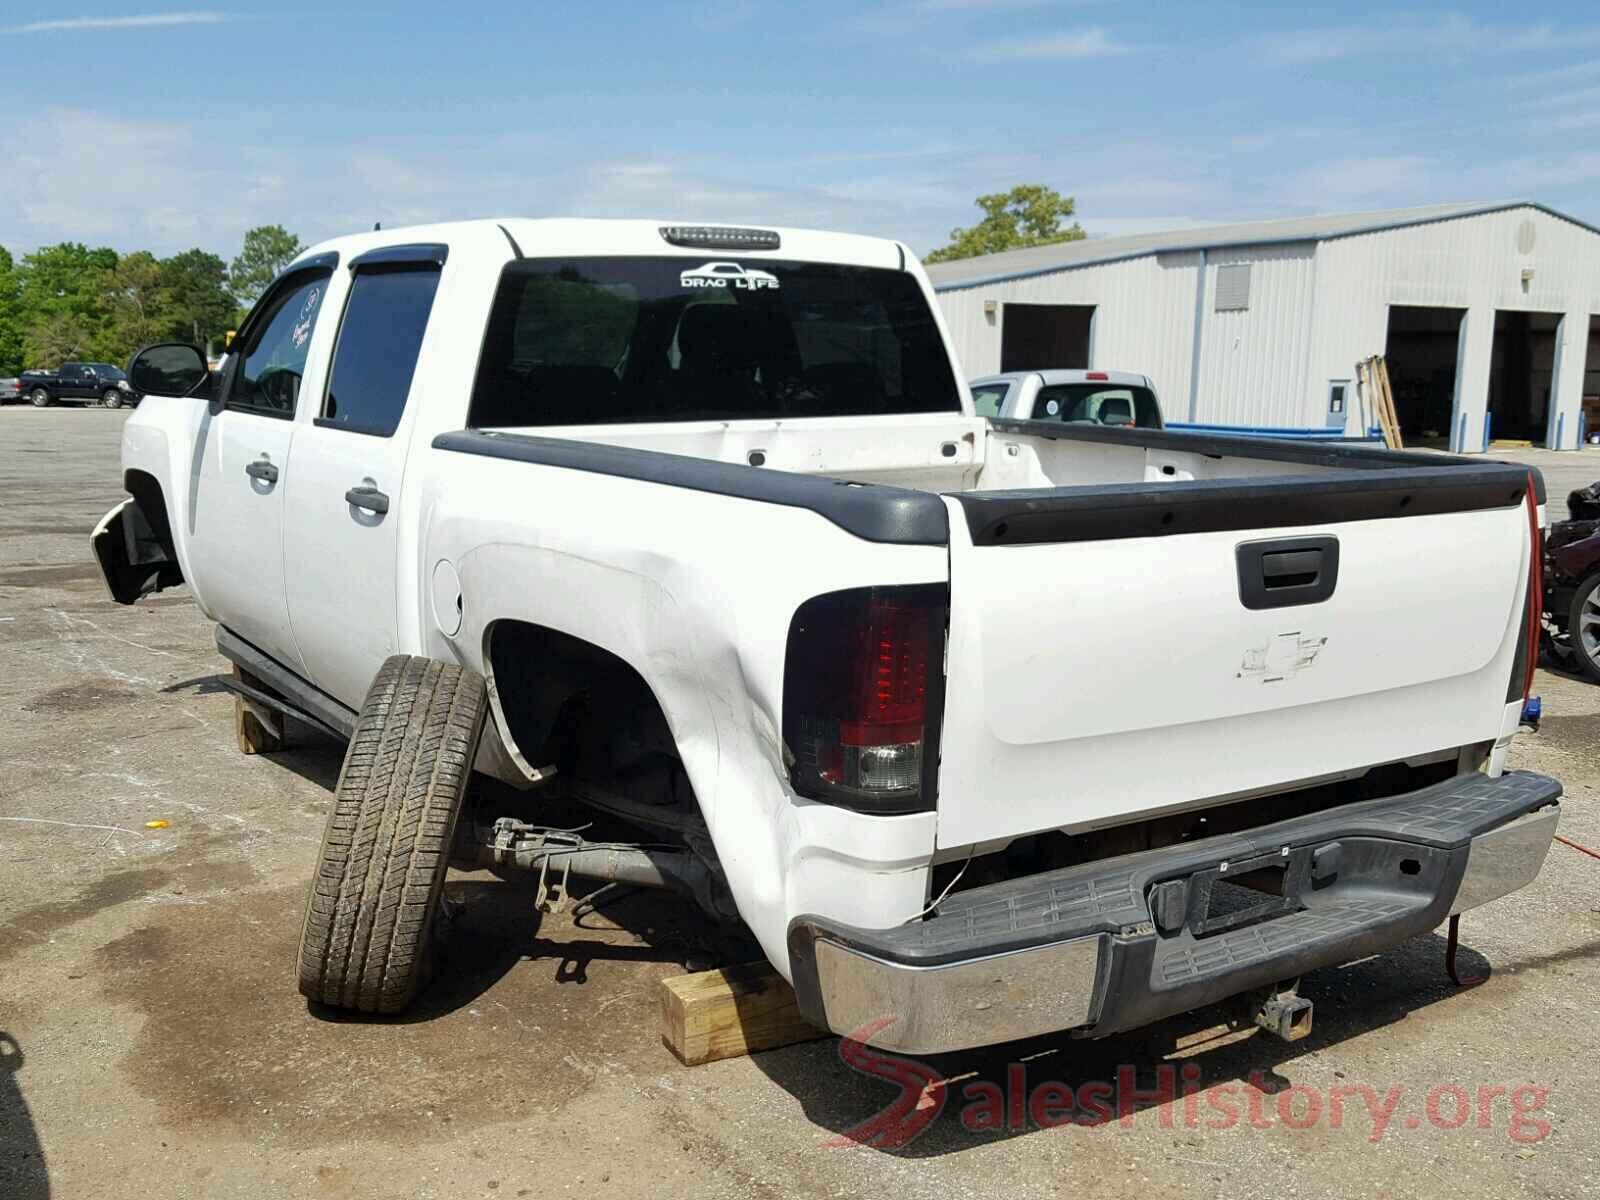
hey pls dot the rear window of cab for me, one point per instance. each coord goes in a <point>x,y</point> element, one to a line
<point>685,338</point>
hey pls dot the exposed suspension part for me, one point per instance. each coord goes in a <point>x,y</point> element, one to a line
<point>558,854</point>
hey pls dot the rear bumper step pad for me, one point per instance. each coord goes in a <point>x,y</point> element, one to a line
<point>1117,944</point>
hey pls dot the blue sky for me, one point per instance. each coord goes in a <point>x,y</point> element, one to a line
<point>169,128</point>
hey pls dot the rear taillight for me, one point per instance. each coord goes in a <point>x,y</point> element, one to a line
<point>1097,376</point>
<point>863,691</point>
<point>1526,659</point>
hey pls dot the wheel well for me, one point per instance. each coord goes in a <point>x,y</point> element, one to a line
<point>145,488</point>
<point>566,702</point>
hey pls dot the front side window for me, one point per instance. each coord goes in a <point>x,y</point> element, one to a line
<point>273,358</point>
<point>1097,404</point>
<point>376,356</point>
<point>674,338</point>
<point>989,398</point>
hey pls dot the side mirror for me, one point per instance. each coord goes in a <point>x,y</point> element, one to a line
<point>168,369</point>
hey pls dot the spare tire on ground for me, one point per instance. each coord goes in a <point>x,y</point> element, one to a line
<point>365,944</point>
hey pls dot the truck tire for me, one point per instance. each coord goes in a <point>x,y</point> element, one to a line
<point>40,398</point>
<point>111,398</point>
<point>365,944</point>
<point>1585,647</point>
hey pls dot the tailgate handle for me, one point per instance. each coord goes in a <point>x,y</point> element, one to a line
<point>1284,572</point>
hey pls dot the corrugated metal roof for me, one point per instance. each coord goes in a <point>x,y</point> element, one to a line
<point>1039,260</point>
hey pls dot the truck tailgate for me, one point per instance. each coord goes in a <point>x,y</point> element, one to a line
<point>1113,653</point>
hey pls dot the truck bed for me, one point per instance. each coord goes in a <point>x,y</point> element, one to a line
<point>1104,659</point>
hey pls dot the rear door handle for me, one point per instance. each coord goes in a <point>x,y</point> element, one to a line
<point>263,470</point>
<point>1285,572</point>
<point>369,498</point>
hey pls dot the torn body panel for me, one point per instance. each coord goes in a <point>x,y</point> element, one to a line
<point>134,560</point>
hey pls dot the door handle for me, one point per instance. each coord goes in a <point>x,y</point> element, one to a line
<point>263,470</point>
<point>1286,572</point>
<point>1290,568</point>
<point>369,498</point>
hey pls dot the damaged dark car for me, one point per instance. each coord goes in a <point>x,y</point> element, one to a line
<point>1572,585</point>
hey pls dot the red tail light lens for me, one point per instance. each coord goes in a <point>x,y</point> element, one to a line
<point>863,692</point>
<point>1527,655</point>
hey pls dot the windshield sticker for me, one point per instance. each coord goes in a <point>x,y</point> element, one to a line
<point>308,313</point>
<point>726,275</point>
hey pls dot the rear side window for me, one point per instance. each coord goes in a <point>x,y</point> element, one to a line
<point>376,355</point>
<point>989,398</point>
<point>673,338</point>
<point>272,360</point>
<point>1097,404</point>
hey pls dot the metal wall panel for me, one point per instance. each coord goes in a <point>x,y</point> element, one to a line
<point>1253,359</point>
<point>1476,264</point>
<point>1315,309</point>
<point>1144,311</point>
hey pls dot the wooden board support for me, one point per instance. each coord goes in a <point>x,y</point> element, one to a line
<point>258,731</point>
<point>725,1013</point>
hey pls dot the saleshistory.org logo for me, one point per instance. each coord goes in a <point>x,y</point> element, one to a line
<point>1020,1104</point>
<point>728,274</point>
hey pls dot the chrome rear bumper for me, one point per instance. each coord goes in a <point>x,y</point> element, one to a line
<point>1116,944</point>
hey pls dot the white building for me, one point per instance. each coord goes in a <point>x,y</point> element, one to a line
<point>1486,313</point>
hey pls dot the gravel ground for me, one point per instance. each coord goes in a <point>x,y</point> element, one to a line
<point>152,1042</point>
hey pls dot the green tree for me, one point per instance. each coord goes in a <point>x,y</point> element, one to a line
<point>53,338</point>
<point>10,316</point>
<point>267,250</point>
<point>202,308</point>
<point>1030,214</point>
<point>64,298</point>
<point>140,307</point>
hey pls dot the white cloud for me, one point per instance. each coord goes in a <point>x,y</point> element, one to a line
<point>1375,180</point>
<point>1091,42</point>
<point>1558,76</point>
<point>1558,100</point>
<point>1577,120</point>
<point>1114,226</point>
<point>137,21</point>
<point>1452,35</point>
<point>173,190</point>
<point>910,15</point>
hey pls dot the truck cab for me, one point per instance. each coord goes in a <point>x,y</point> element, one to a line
<point>1118,399</point>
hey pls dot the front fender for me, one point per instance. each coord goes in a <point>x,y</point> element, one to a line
<point>133,560</point>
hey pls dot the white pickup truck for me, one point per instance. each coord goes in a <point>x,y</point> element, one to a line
<point>1119,399</point>
<point>989,727</point>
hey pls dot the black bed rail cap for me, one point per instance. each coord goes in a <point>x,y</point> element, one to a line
<point>872,512</point>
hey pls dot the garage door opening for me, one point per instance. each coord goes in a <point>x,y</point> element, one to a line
<point>1522,375</point>
<point>1037,337</point>
<point>1422,353</point>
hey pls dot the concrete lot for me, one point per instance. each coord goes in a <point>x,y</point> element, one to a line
<point>152,1043</point>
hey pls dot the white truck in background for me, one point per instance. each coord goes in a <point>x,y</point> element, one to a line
<point>1117,399</point>
<point>983,728</point>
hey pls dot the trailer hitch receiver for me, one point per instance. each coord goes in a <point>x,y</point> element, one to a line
<point>1284,1013</point>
